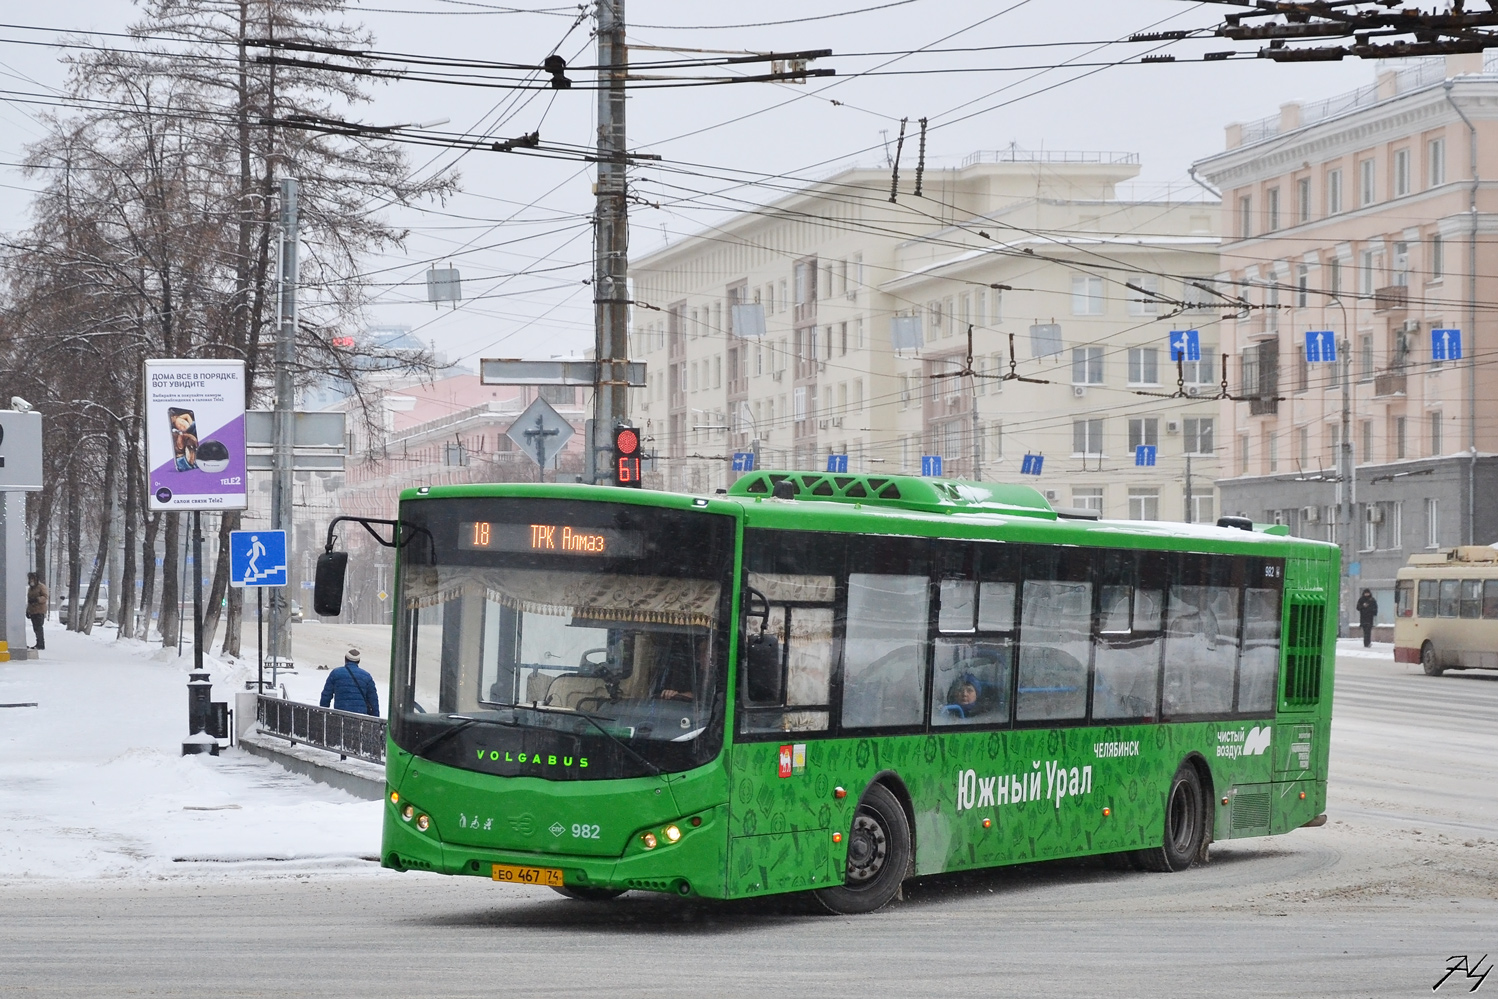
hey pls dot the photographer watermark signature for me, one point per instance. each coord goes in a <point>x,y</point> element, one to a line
<point>1469,969</point>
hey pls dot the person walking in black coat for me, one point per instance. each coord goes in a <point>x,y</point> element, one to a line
<point>350,688</point>
<point>1367,608</point>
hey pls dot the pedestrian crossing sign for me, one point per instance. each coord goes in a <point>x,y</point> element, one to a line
<point>257,558</point>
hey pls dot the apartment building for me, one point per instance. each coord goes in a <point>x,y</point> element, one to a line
<point>1355,215</point>
<point>858,343</point>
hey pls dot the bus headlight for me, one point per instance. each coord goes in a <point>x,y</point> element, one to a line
<point>407,812</point>
<point>673,833</point>
<point>650,841</point>
<point>423,823</point>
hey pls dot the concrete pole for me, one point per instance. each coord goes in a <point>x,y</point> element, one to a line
<point>282,425</point>
<point>611,234</point>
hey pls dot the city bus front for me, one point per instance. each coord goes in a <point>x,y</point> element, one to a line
<point>558,688</point>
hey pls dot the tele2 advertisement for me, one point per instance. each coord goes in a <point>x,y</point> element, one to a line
<point>195,444</point>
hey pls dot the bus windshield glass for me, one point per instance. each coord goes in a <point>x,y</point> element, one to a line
<point>568,640</point>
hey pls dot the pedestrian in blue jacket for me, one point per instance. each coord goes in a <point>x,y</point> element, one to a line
<point>350,688</point>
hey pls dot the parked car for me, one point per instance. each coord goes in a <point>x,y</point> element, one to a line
<point>100,606</point>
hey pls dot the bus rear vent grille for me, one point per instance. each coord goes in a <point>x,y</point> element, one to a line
<point>1251,810</point>
<point>649,884</point>
<point>1303,652</point>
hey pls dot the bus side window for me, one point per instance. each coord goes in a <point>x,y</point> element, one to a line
<point>1490,598</point>
<point>1055,635</point>
<point>1471,598</point>
<point>1260,666</point>
<point>973,673</point>
<point>1404,598</point>
<point>1450,597</point>
<point>1126,660</point>
<point>804,634</point>
<point>884,651</point>
<point>1426,606</point>
<point>1201,638</point>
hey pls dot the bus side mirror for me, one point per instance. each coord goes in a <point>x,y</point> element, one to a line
<point>763,664</point>
<point>327,593</point>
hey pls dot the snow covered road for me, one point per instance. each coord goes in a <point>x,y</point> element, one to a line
<point>92,783</point>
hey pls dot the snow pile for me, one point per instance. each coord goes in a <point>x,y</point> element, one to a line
<point>93,783</point>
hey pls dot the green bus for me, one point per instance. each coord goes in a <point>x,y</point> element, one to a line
<point>830,683</point>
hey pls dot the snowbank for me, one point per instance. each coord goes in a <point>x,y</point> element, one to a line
<point>93,783</point>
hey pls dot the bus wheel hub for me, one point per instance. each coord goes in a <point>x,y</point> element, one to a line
<point>867,847</point>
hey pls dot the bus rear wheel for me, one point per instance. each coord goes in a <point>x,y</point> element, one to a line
<point>1185,825</point>
<point>1428,660</point>
<point>878,856</point>
<point>589,894</point>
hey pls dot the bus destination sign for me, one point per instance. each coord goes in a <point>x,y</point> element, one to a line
<point>551,539</point>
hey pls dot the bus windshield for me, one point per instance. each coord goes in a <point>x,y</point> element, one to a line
<point>570,641</point>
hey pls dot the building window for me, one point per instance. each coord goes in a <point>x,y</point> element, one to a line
<point>1302,286</point>
<point>1245,217</point>
<point>1144,366</point>
<point>1086,295</point>
<point>1436,445</point>
<point>1204,371</point>
<point>934,318</point>
<point>1305,446</point>
<point>1198,433</point>
<point>1302,369</point>
<point>1333,192</point>
<point>996,440</point>
<point>1366,458</point>
<point>1401,172</point>
<point>1243,454</point>
<point>1400,430</point>
<point>1202,509</point>
<point>1432,522</point>
<point>1144,303</point>
<point>1365,357</point>
<point>1087,437</point>
<point>1087,366</point>
<point>1437,257</point>
<point>799,401</point>
<point>858,395</point>
<point>1401,263</point>
<point>1144,504</point>
<point>1334,275</point>
<point>1144,431</point>
<point>1088,498</point>
<point>1366,193</point>
<point>1303,200</point>
<point>1272,209</point>
<point>1435,162</point>
<point>1272,449</point>
<point>1365,273</point>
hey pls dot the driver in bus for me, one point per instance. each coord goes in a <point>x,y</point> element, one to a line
<point>678,664</point>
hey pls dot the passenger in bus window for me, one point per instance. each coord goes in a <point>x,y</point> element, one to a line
<point>1367,608</point>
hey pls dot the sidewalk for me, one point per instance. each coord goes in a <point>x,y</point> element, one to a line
<point>92,783</point>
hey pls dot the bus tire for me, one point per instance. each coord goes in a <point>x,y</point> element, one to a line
<point>1428,660</point>
<point>1185,825</point>
<point>583,894</point>
<point>878,856</point>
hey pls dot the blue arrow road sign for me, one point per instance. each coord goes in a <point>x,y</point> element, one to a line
<point>1321,346</point>
<point>1445,345</point>
<point>257,558</point>
<point>931,465</point>
<point>837,463</point>
<point>1144,454</point>
<point>743,461</point>
<point>1031,464</point>
<point>1185,345</point>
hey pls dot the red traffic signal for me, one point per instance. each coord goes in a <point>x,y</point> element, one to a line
<point>627,457</point>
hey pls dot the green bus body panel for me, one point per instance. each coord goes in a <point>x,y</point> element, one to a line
<point>763,833</point>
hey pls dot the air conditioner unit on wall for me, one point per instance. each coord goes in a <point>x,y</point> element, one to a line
<point>1193,391</point>
<point>1050,495</point>
<point>1079,391</point>
<point>1172,426</point>
<point>1375,514</point>
<point>1310,514</point>
<point>775,375</point>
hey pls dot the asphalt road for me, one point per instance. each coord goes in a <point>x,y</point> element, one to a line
<point>1403,877</point>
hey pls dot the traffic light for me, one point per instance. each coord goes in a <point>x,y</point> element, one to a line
<point>627,457</point>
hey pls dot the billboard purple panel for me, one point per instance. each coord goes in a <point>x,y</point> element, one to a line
<point>195,434</point>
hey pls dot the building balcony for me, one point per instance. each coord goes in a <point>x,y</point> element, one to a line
<point>1393,298</point>
<point>1389,383</point>
<point>1263,405</point>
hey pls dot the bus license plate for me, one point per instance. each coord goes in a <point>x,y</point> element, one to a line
<point>549,876</point>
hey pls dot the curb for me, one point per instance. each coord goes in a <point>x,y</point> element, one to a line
<point>362,780</point>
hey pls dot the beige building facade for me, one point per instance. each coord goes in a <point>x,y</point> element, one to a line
<point>865,308</point>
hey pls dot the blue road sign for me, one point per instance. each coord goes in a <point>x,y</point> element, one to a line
<point>1144,454</point>
<point>839,463</point>
<point>257,558</point>
<point>931,465</point>
<point>1031,464</point>
<point>1354,568</point>
<point>1321,346</point>
<point>743,461</point>
<point>1445,345</point>
<point>1185,345</point>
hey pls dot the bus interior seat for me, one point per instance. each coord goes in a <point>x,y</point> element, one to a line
<point>537,684</point>
<point>567,690</point>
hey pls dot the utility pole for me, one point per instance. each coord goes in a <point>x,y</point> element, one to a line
<point>611,235</point>
<point>1347,487</point>
<point>282,419</point>
<point>1190,506</point>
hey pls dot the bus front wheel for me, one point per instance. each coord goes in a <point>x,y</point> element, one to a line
<point>1185,824</point>
<point>878,855</point>
<point>1428,660</point>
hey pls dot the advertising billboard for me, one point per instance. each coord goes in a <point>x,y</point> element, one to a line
<point>195,434</point>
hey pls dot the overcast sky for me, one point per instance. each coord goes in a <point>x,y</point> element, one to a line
<point>516,214</point>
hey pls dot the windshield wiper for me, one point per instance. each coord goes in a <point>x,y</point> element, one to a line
<point>464,721</point>
<point>655,770</point>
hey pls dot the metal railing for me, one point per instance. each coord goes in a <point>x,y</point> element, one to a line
<point>341,732</point>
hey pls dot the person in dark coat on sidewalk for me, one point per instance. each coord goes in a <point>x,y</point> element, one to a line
<point>1367,608</point>
<point>36,605</point>
<point>350,688</point>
